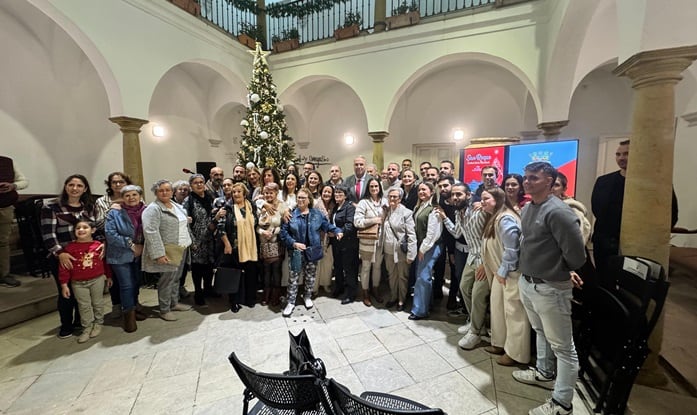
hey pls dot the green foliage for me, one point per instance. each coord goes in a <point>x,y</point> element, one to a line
<point>352,18</point>
<point>286,35</point>
<point>253,31</point>
<point>403,8</point>
<point>286,9</point>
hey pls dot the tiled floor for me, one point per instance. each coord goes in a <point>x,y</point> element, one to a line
<point>181,367</point>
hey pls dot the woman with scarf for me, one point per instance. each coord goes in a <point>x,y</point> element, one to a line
<point>124,236</point>
<point>239,240</point>
<point>198,207</point>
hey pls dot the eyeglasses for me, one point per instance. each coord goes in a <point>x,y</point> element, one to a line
<point>118,182</point>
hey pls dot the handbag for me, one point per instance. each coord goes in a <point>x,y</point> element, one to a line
<point>313,253</point>
<point>175,253</point>
<point>271,251</point>
<point>227,280</point>
<point>370,233</point>
<point>302,360</point>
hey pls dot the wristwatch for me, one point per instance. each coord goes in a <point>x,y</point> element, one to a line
<point>130,244</point>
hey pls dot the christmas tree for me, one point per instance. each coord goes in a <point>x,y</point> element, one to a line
<point>264,141</point>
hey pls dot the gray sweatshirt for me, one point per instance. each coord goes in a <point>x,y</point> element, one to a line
<point>551,243</point>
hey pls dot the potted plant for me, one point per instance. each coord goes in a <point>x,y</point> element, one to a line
<point>250,34</point>
<point>289,40</point>
<point>191,6</point>
<point>351,27</point>
<point>403,15</point>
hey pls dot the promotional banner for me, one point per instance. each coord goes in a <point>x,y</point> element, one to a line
<point>474,159</point>
<point>560,154</point>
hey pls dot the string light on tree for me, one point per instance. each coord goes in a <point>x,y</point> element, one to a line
<point>264,142</point>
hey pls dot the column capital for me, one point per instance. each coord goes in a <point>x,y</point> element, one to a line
<point>128,124</point>
<point>657,66</point>
<point>552,129</point>
<point>378,136</point>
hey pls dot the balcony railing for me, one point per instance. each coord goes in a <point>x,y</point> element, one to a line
<point>232,15</point>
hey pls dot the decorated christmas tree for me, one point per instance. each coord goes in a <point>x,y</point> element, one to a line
<point>264,141</point>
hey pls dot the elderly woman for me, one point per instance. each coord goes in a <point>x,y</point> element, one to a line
<point>301,235</point>
<point>370,213</point>
<point>255,183</point>
<point>198,207</point>
<point>398,226</point>
<point>510,329</point>
<point>428,229</point>
<point>181,191</point>
<point>166,234</point>
<point>115,182</point>
<point>239,241</point>
<point>124,236</point>
<point>271,248</point>
<point>345,249</point>
<point>58,219</point>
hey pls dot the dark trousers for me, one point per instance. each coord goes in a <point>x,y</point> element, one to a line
<point>247,293</point>
<point>346,266</point>
<point>460,261</point>
<point>114,290</point>
<point>202,275</point>
<point>67,307</point>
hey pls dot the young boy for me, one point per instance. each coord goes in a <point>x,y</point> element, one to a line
<point>87,277</point>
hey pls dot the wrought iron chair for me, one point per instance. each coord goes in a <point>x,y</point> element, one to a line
<point>281,394</point>
<point>374,403</point>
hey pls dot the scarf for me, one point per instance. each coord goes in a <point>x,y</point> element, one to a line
<point>246,237</point>
<point>135,214</point>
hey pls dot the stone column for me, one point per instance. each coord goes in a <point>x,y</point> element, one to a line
<point>378,155</point>
<point>646,211</point>
<point>132,162</point>
<point>380,12</point>
<point>552,129</point>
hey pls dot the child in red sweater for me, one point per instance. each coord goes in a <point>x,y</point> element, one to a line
<point>87,278</point>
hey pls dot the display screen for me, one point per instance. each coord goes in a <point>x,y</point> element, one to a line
<point>563,155</point>
<point>474,159</point>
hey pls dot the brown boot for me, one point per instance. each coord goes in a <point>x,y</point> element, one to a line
<point>129,321</point>
<point>376,294</point>
<point>366,298</point>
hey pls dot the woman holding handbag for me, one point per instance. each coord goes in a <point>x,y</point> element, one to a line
<point>368,219</point>
<point>301,236</point>
<point>398,233</point>
<point>270,247</point>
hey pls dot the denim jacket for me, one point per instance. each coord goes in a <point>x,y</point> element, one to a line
<point>119,230</point>
<point>296,228</point>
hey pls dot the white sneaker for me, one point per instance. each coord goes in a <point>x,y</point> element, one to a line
<point>551,407</point>
<point>531,376</point>
<point>469,342</point>
<point>288,310</point>
<point>308,303</point>
<point>465,329</point>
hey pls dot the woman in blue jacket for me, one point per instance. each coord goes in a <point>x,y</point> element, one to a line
<point>299,234</point>
<point>124,236</point>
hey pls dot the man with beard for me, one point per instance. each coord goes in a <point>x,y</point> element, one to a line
<point>432,175</point>
<point>459,195</point>
<point>448,242</point>
<point>392,179</point>
<point>215,182</point>
<point>489,176</point>
<point>239,174</point>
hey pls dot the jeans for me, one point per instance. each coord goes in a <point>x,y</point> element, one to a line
<point>549,312</point>
<point>423,285</point>
<point>128,276</point>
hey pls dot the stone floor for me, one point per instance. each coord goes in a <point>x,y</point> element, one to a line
<point>181,367</point>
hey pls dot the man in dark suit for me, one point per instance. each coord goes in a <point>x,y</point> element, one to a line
<point>606,202</point>
<point>356,183</point>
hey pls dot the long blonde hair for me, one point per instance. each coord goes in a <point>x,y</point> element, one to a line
<point>502,204</point>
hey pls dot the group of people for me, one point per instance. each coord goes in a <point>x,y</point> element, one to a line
<point>512,249</point>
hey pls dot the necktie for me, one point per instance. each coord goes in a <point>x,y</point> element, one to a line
<point>358,188</point>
